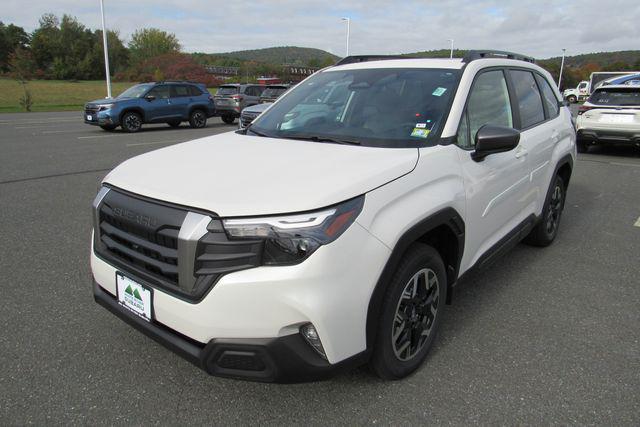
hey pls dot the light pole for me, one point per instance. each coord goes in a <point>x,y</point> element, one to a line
<point>561,67</point>
<point>348,29</point>
<point>106,50</point>
<point>451,40</point>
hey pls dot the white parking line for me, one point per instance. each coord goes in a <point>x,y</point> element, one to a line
<point>637,224</point>
<point>98,136</point>
<point>64,131</point>
<point>153,143</point>
<point>38,121</point>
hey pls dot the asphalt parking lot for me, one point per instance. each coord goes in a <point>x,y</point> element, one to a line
<point>544,336</point>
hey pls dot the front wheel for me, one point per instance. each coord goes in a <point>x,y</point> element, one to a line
<point>197,119</point>
<point>546,230</point>
<point>228,119</point>
<point>411,313</point>
<point>131,122</point>
<point>572,99</point>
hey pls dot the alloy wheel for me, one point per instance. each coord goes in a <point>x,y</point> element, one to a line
<point>198,119</point>
<point>415,314</point>
<point>133,122</point>
<point>555,209</point>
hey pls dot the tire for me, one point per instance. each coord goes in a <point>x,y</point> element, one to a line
<point>108,128</point>
<point>546,230</point>
<point>403,317</point>
<point>228,119</point>
<point>581,146</point>
<point>197,119</point>
<point>572,99</point>
<point>131,122</point>
<point>174,124</point>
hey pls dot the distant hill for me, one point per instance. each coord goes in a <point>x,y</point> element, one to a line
<point>284,55</point>
<point>624,60</point>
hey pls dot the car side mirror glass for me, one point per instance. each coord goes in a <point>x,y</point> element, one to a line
<point>492,139</point>
<point>149,98</point>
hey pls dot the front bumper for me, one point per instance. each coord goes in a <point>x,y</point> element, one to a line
<point>286,359</point>
<point>101,118</point>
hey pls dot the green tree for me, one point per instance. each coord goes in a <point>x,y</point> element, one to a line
<point>12,37</point>
<point>151,42</point>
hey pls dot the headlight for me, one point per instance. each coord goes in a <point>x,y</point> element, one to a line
<point>104,107</point>
<point>290,239</point>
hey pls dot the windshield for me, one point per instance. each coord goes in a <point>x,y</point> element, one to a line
<point>622,96</point>
<point>374,107</point>
<point>136,91</point>
<point>271,92</point>
<point>228,90</point>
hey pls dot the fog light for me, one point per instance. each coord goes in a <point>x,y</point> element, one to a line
<point>310,334</point>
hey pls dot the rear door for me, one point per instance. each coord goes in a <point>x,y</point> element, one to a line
<point>496,187</point>
<point>539,132</point>
<point>181,99</point>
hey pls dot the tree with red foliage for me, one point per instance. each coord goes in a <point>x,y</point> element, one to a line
<point>172,66</point>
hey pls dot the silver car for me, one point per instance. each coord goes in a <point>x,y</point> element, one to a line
<point>231,99</point>
<point>250,113</point>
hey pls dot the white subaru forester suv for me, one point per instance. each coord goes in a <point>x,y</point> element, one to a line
<point>330,232</point>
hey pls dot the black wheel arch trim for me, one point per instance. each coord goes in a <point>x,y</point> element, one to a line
<point>137,110</point>
<point>448,217</point>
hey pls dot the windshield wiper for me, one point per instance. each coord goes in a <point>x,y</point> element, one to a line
<point>318,138</point>
<point>248,129</point>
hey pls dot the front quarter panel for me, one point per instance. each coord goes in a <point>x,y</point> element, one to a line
<point>435,184</point>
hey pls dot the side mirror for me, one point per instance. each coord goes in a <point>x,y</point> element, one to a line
<point>492,139</point>
<point>149,98</point>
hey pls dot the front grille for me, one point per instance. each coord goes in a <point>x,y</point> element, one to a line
<point>91,109</point>
<point>141,235</point>
<point>246,119</point>
<point>141,238</point>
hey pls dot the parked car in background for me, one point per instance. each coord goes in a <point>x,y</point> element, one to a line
<point>611,115</point>
<point>158,102</point>
<point>600,78</point>
<point>231,99</point>
<point>272,92</point>
<point>250,113</point>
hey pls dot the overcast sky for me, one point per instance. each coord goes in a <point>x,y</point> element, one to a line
<point>539,28</point>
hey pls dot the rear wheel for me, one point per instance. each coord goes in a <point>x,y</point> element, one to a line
<point>546,230</point>
<point>572,99</point>
<point>197,119</point>
<point>174,123</point>
<point>411,313</point>
<point>131,122</point>
<point>228,119</point>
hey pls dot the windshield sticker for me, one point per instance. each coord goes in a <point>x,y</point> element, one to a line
<point>420,132</point>
<point>439,91</point>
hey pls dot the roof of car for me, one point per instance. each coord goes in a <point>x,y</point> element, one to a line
<point>623,86</point>
<point>454,64</point>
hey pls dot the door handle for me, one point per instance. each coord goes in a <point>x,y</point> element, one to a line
<point>521,152</point>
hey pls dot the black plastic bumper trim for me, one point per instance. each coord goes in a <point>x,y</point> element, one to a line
<point>287,359</point>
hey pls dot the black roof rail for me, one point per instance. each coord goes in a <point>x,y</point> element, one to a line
<point>366,58</point>
<point>473,55</point>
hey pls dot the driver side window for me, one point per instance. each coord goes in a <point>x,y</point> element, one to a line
<point>488,103</point>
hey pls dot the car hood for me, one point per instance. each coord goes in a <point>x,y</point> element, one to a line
<point>239,175</point>
<point>105,101</point>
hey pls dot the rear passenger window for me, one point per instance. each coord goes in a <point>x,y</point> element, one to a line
<point>179,91</point>
<point>194,91</point>
<point>529,100</point>
<point>488,104</point>
<point>548,96</point>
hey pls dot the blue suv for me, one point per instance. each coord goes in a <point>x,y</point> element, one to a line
<point>158,102</point>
